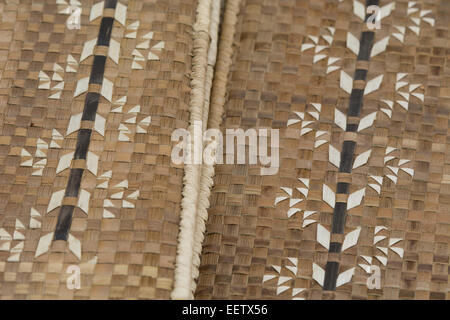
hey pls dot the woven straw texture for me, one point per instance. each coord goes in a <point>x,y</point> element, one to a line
<point>91,92</point>
<point>363,182</point>
<point>86,117</point>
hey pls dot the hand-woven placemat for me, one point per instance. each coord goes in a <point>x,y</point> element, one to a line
<point>360,206</point>
<point>86,116</point>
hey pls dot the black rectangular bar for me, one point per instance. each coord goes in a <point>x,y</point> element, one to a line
<point>339,215</point>
<point>360,74</point>
<point>73,185</point>
<point>342,187</point>
<point>372,3</point>
<point>64,222</point>
<point>83,139</point>
<point>331,274</point>
<point>365,45</point>
<point>90,106</point>
<point>348,150</point>
<point>356,99</point>
<point>98,70</point>
<point>104,34</point>
<point>335,247</point>
<point>351,127</point>
<point>111,4</point>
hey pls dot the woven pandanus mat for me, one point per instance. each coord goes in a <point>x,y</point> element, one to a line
<point>360,205</point>
<point>86,115</point>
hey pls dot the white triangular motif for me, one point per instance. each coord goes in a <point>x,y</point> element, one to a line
<point>34,224</point>
<point>287,190</point>
<point>296,291</point>
<point>92,162</point>
<point>305,181</point>
<point>99,125</point>
<point>74,246</point>
<point>393,241</point>
<point>365,267</point>
<point>44,244</point>
<point>282,289</point>
<point>340,119</point>
<point>55,200</point>
<point>64,162</point>
<point>334,156</point>
<point>303,191</point>
<point>268,277</point>
<point>318,274</point>
<point>83,201</point>
<point>19,225</point>
<point>367,258</point>
<point>307,222</point>
<point>82,86</point>
<point>277,268</point>
<point>382,259</point>
<point>279,199</point>
<point>346,82</point>
<point>292,269</point>
<point>373,84</point>
<point>377,239</point>
<point>103,185</point>
<point>88,49</point>
<point>96,10</point>
<point>4,235</point>
<point>345,277</point>
<point>398,251</point>
<point>367,121</point>
<point>359,10</point>
<point>379,47</point>
<point>120,14</point>
<point>362,159</point>
<point>355,198</point>
<point>328,196</point>
<point>283,279</point>
<point>351,239</point>
<point>18,236</point>
<point>107,89</point>
<point>352,43</point>
<point>323,236</point>
<point>34,213</point>
<point>293,201</point>
<point>114,50</point>
<point>127,204</point>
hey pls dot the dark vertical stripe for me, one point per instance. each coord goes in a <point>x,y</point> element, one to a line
<point>343,187</point>
<point>365,45</point>
<point>339,213</point>
<point>348,151</point>
<point>98,70</point>
<point>356,99</point>
<point>64,222</point>
<point>331,273</point>
<point>335,247</point>
<point>110,4</point>
<point>84,135</point>
<point>104,34</point>
<point>372,3</point>
<point>347,154</point>
<point>351,127</point>
<point>83,140</point>
<point>360,74</point>
<point>73,185</point>
<point>90,106</point>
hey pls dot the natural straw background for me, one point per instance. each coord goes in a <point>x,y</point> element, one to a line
<point>133,254</point>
